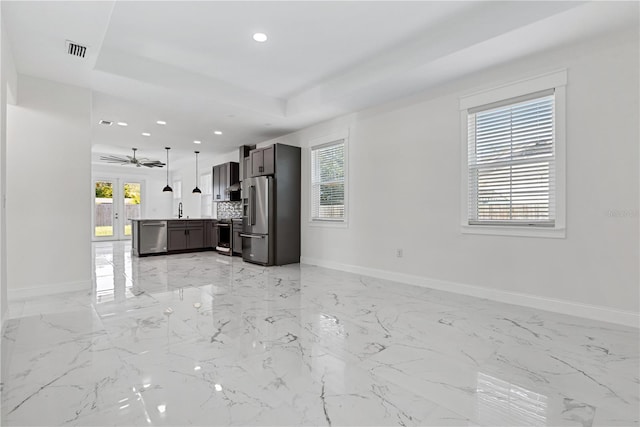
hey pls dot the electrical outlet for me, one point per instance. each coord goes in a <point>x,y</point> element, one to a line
<point>399,252</point>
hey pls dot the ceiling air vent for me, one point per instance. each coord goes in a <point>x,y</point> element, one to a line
<point>75,49</point>
<point>105,122</point>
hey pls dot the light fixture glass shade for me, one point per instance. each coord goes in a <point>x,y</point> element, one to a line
<point>196,190</point>
<point>167,188</point>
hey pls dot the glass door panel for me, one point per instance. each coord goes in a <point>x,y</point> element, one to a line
<point>104,211</point>
<point>131,202</point>
<point>116,203</point>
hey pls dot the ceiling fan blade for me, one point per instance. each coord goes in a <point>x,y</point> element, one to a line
<point>128,160</point>
<point>153,164</point>
<point>124,159</point>
<point>114,158</point>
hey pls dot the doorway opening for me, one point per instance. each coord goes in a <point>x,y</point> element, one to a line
<point>116,203</point>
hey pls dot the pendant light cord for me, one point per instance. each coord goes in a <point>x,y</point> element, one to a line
<point>196,190</point>
<point>167,188</point>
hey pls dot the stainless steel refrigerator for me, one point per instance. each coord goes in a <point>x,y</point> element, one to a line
<point>258,220</point>
<point>271,206</point>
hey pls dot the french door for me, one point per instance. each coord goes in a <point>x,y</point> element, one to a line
<point>115,203</point>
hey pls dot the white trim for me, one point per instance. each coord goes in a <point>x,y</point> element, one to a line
<point>560,147</point>
<point>587,311</point>
<point>57,288</point>
<point>556,80</point>
<point>328,224</point>
<point>510,230</point>
<point>514,89</point>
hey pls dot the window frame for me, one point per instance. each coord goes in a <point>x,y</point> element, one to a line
<point>557,81</point>
<point>317,143</point>
<point>206,199</point>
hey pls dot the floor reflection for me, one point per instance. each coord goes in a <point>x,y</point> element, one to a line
<point>503,403</point>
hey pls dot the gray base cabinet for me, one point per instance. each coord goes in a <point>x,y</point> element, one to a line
<point>185,235</point>
<point>177,239</point>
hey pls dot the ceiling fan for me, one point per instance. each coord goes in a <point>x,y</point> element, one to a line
<point>128,160</point>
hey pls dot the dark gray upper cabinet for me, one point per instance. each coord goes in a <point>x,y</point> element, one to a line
<point>225,176</point>
<point>262,161</point>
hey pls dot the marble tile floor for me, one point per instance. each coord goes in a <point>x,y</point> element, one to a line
<point>203,339</point>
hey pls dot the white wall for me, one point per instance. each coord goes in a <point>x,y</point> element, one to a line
<point>185,169</point>
<point>48,199</point>
<point>404,186</point>
<point>8,93</point>
<point>155,203</point>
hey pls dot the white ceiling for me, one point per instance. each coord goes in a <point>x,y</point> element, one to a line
<point>195,65</point>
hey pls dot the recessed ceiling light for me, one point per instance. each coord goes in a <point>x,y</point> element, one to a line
<point>217,132</point>
<point>260,37</point>
<point>105,122</point>
<point>196,142</point>
<point>146,134</point>
<point>123,124</point>
<point>161,122</point>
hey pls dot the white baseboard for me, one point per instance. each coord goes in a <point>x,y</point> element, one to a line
<point>55,288</point>
<point>604,314</point>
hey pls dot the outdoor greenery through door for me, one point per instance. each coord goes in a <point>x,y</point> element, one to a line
<point>107,213</point>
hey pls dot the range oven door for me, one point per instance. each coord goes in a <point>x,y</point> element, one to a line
<point>255,248</point>
<point>223,241</point>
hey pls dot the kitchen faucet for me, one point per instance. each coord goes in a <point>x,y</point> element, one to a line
<point>179,210</point>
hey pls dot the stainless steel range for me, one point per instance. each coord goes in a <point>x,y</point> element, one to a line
<point>223,237</point>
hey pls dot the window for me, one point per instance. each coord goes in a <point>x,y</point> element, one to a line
<point>511,162</point>
<point>328,172</point>
<point>513,151</point>
<point>177,194</point>
<point>206,201</point>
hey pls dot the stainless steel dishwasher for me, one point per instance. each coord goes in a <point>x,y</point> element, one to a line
<point>150,237</point>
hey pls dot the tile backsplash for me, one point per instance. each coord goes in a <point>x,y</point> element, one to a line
<point>229,210</point>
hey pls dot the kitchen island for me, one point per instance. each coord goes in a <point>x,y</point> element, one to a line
<point>167,236</point>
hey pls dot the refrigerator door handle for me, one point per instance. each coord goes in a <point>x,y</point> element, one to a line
<point>251,236</point>
<point>252,204</point>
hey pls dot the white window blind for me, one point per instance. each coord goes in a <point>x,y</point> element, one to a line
<point>177,195</point>
<point>206,201</point>
<point>511,162</point>
<point>327,182</point>
<point>177,190</point>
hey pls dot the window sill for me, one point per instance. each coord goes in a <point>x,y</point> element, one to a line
<point>329,224</point>
<point>549,233</point>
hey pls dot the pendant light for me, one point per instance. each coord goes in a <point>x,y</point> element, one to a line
<point>196,190</point>
<point>167,188</point>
